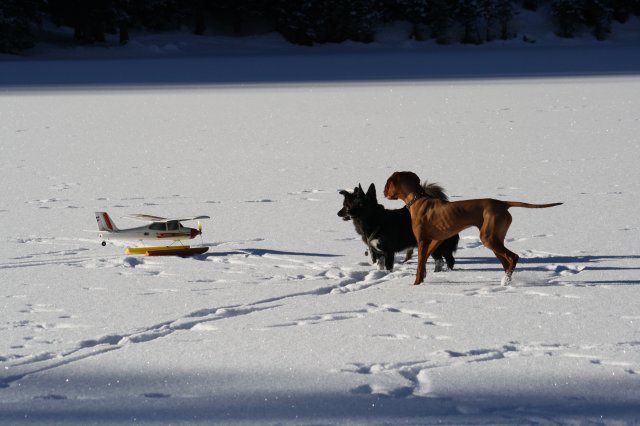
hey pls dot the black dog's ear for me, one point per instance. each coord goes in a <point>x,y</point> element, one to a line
<point>357,189</point>
<point>371,192</point>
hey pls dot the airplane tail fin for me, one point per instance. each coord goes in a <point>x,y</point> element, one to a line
<point>105,223</point>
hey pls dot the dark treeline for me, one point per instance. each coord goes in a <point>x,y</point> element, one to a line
<point>303,22</point>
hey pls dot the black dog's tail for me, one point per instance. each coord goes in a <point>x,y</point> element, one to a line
<point>435,191</point>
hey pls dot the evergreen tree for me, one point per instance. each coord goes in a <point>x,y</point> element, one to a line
<point>294,20</point>
<point>417,13</point>
<point>321,21</point>
<point>157,15</point>
<point>122,18</point>
<point>238,12</point>
<point>488,14</point>
<point>567,15</point>
<point>362,18</point>
<point>89,19</point>
<point>504,15</point>
<point>469,14</point>
<point>621,10</point>
<point>439,19</point>
<point>19,22</point>
<point>531,4</point>
<point>597,15</point>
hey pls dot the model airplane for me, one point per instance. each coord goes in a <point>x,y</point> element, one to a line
<point>159,228</point>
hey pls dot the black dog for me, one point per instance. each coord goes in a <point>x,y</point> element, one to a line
<point>386,232</point>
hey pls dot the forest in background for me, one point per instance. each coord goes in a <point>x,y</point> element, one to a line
<point>303,22</point>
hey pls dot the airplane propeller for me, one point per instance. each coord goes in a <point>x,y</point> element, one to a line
<point>200,231</point>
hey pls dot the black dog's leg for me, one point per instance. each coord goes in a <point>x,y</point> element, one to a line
<point>450,260</point>
<point>389,257</point>
<point>373,253</point>
<point>408,256</point>
<point>439,262</point>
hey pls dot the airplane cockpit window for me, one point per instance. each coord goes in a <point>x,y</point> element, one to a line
<point>172,226</point>
<point>158,226</point>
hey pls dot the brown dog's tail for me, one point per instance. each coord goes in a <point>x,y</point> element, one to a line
<point>530,206</point>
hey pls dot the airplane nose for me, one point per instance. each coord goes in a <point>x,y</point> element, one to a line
<point>195,233</point>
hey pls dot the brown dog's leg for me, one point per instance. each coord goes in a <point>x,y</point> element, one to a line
<point>492,234</point>
<point>511,260</point>
<point>425,248</point>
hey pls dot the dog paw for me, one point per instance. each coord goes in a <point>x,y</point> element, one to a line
<point>506,280</point>
<point>439,266</point>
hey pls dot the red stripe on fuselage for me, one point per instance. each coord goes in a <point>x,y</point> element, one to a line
<point>171,235</point>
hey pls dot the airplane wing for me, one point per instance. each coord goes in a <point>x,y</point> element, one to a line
<point>158,219</point>
<point>146,217</point>
<point>187,218</point>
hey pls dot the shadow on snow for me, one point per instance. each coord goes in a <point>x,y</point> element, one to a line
<point>145,399</point>
<point>262,252</point>
<point>321,66</point>
<point>561,263</point>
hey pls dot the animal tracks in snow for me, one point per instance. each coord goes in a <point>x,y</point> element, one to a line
<point>17,368</point>
<point>371,309</point>
<point>413,379</point>
<point>255,265</point>
<point>299,278</point>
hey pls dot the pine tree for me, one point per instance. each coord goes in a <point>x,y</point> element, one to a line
<point>469,14</point>
<point>531,4</point>
<point>363,16</point>
<point>238,12</point>
<point>157,15</point>
<point>598,14</point>
<point>504,15</point>
<point>294,20</point>
<point>567,15</point>
<point>19,22</point>
<point>440,19</point>
<point>415,12</point>
<point>488,14</point>
<point>122,18</point>
<point>90,20</point>
<point>327,21</point>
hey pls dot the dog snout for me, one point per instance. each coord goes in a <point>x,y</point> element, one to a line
<point>388,190</point>
<point>344,214</point>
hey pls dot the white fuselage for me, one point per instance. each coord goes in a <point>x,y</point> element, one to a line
<point>154,231</point>
<point>169,229</point>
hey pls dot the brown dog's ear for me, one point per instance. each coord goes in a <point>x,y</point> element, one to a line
<point>415,180</point>
<point>407,180</point>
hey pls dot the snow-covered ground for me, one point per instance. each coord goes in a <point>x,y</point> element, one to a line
<point>284,320</point>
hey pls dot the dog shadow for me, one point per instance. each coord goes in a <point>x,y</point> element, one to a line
<point>544,264</point>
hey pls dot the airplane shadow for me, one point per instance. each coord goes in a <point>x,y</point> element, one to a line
<point>262,252</point>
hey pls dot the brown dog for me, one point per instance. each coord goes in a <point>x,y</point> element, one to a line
<point>434,221</point>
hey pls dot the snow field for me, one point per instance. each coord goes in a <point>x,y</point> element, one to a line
<point>284,320</point>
